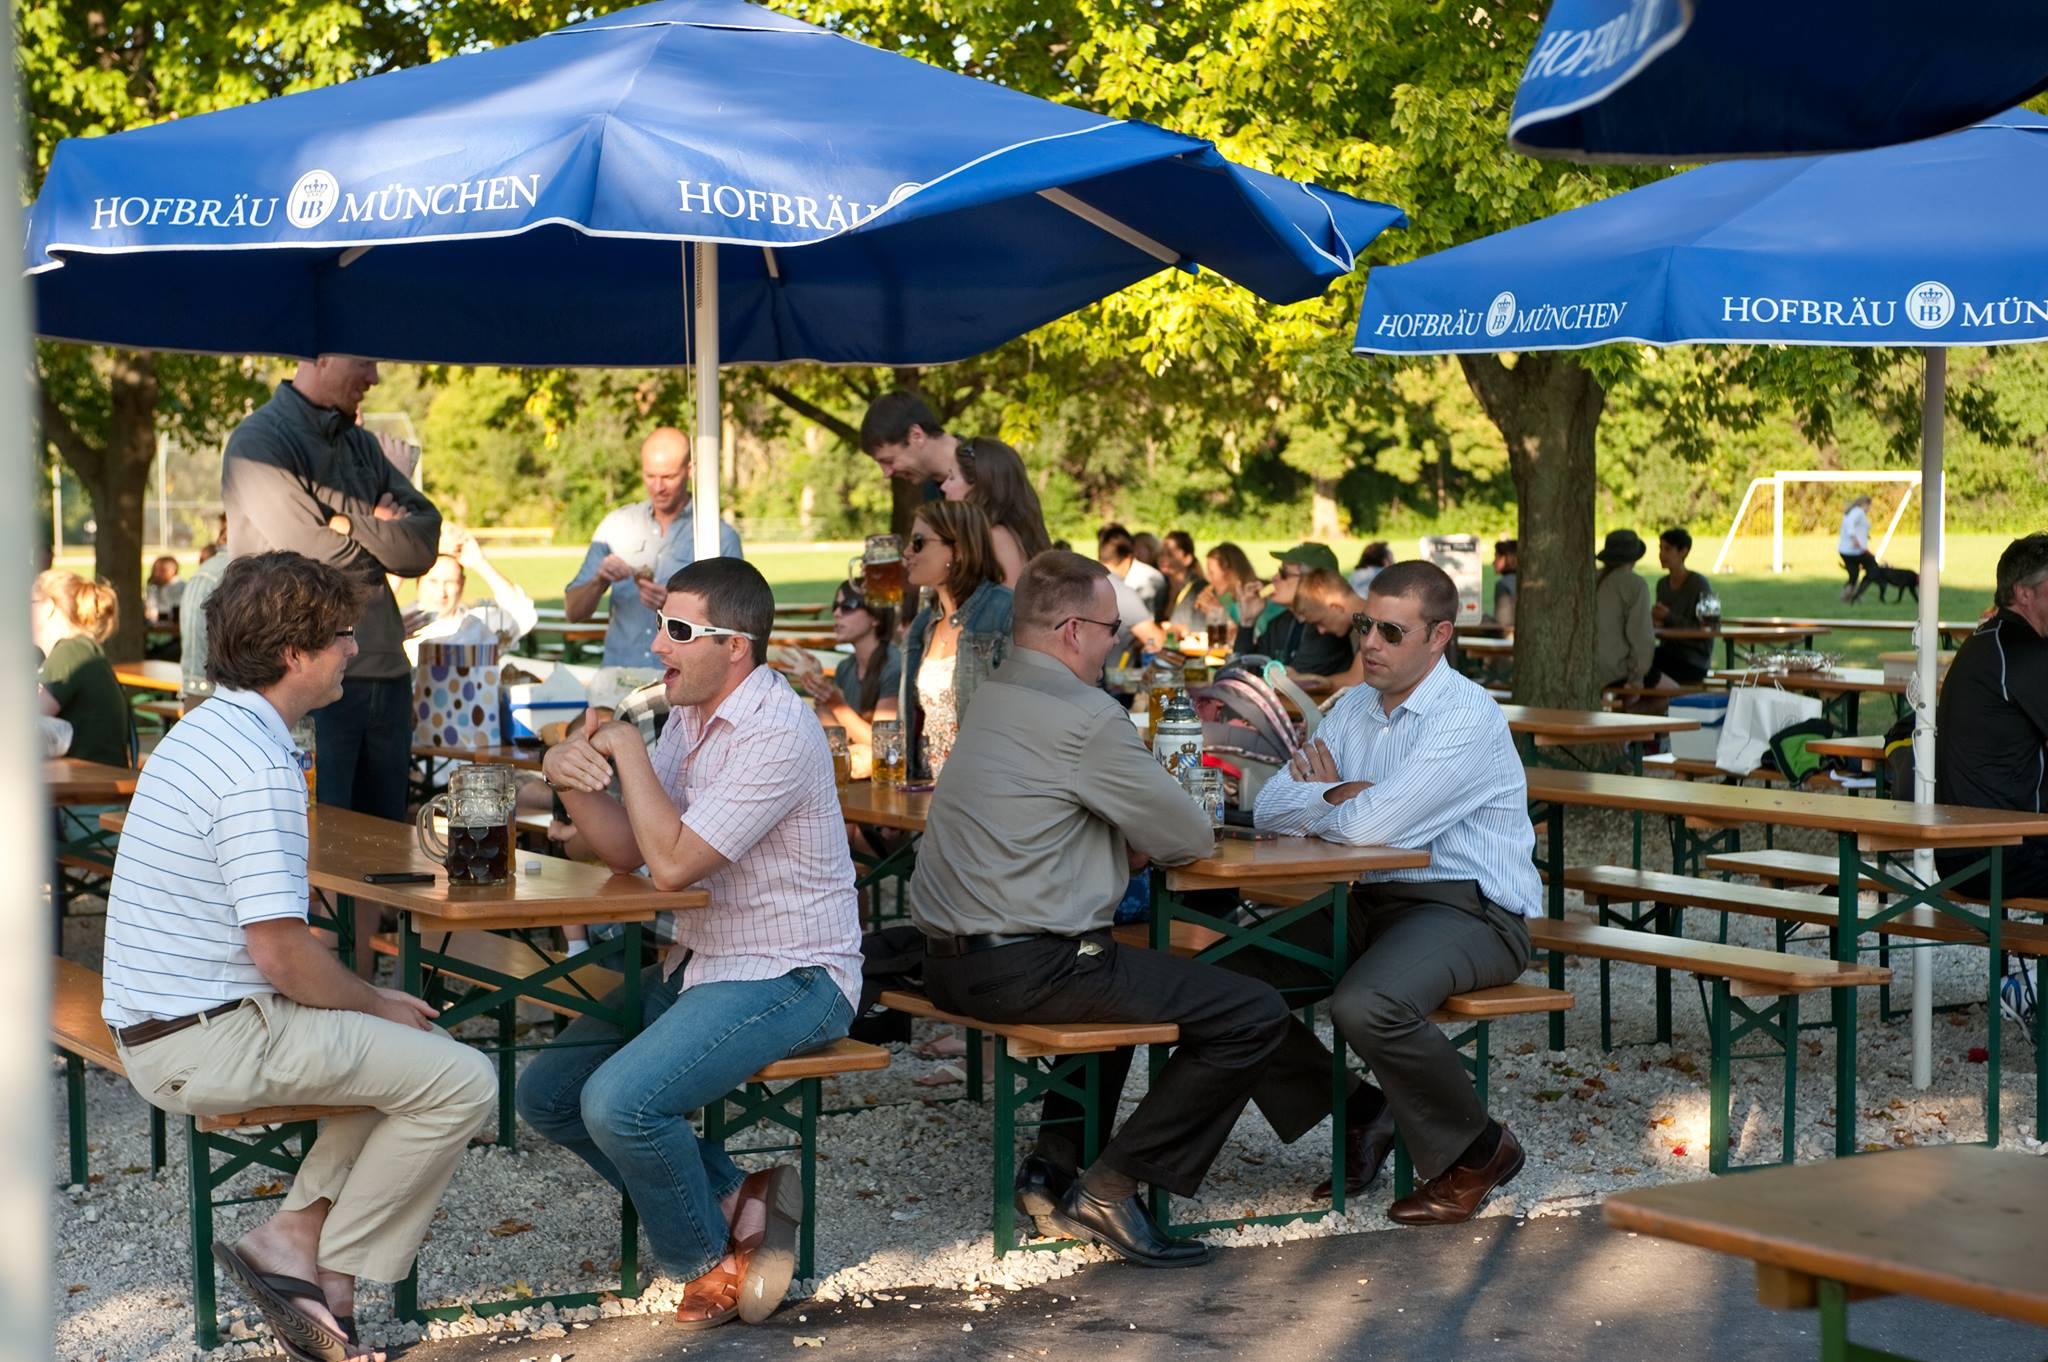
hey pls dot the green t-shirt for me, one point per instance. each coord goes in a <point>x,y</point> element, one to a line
<point>88,698</point>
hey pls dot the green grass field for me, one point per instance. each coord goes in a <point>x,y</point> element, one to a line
<point>1810,586</point>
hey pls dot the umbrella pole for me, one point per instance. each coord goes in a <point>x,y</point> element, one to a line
<point>707,446</point>
<point>1933,506</point>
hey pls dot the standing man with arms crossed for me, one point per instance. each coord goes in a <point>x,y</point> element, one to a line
<point>222,1000</point>
<point>1416,757</point>
<point>1048,803</point>
<point>737,797</point>
<point>639,547</point>
<point>300,474</point>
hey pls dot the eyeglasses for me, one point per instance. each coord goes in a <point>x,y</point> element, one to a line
<point>847,601</point>
<point>1391,632</point>
<point>683,631</point>
<point>1112,625</point>
<point>1287,573</point>
<point>918,541</point>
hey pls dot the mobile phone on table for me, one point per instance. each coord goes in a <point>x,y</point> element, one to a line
<point>1247,834</point>
<point>398,877</point>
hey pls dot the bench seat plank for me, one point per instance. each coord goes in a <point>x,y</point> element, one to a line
<point>1743,964</point>
<point>1805,867</point>
<point>1034,1039</point>
<point>75,1022</point>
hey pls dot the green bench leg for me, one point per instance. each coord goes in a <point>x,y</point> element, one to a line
<point>758,1105</point>
<point>261,1148</point>
<point>1659,919</point>
<point>976,1083</point>
<point>1018,1081</point>
<point>508,1072</point>
<point>74,1111</point>
<point>1732,1019</point>
<point>158,1156</point>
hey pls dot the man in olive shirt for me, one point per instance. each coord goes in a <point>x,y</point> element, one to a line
<point>300,474</point>
<point>1048,803</point>
<point>1993,719</point>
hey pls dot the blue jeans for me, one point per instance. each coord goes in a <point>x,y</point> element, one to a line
<point>625,1108</point>
<point>363,745</point>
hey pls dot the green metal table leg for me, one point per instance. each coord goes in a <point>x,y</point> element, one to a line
<point>1850,868</point>
<point>1835,1344</point>
<point>1553,826</point>
<point>1005,1136</point>
<point>508,1072</point>
<point>1718,1081</point>
<point>199,1211</point>
<point>74,1111</point>
<point>158,1155</point>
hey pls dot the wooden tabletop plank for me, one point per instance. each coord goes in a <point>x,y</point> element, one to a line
<point>1741,633</point>
<point>166,678</point>
<point>1590,725</point>
<point>74,780</point>
<point>1958,1224</point>
<point>1237,863</point>
<point>1840,681</point>
<point>863,801</point>
<point>347,846</point>
<point>1933,825</point>
<point>1869,747</point>
<point>1959,628</point>
<point>525,758</point>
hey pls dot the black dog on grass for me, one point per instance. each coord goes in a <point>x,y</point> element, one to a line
<point>1888,578</point>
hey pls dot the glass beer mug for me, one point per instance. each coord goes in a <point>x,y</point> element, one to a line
<point>479,804</point>
<point>879,571</point>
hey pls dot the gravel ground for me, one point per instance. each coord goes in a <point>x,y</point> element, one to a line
<point>904,1180</point>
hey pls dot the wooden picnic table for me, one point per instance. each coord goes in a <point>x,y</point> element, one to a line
<point>525,758</point>
<point>1958,1225</point>
<point>1839,690</point>
<point>73,780</point>
<point>1864,829</point>
<point>1731,633</point>
<point>163,678</point>
<point>1551,727</point>
<point>1952,631</point>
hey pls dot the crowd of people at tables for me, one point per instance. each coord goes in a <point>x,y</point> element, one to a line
<point>1045,803</point>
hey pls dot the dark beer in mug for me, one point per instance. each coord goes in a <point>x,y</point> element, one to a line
<point>479,853</point>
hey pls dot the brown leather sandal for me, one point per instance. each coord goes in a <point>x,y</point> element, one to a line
<point>711,1300</point>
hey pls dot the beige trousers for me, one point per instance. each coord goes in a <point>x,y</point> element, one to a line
<point>385,1169</point>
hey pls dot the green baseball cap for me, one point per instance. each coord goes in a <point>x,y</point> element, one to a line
<point>1310,556</point>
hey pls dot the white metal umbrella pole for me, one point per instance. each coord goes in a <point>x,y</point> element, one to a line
<point>1927,640</point>
<point>705,446</point>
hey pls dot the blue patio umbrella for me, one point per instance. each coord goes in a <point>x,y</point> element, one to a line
<point>1930,244</point>
<point>688,182</point>
<point>1702,80</point>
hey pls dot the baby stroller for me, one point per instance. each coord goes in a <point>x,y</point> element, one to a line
<point>1246,726</point>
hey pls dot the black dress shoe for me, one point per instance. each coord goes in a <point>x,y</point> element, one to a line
<point>1040,1185</point>
<point>1455,1195</point>
<point>1125,1229</point>
<point>1365,1152</point>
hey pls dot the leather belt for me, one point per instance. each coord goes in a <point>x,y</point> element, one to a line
<point>144,1032</point>
<point>949,947</point>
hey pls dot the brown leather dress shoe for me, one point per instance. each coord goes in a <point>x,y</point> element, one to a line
<point>1455,1195</point>
<point>713,1299</point>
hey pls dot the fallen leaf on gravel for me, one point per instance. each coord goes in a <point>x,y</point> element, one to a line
<point>587,1266</point>
<point>1678,1151</point>
<point>1979,1055</point>
<point>1626,1172</point>
<point>75,1288</point>
<point>1875,1148</point>
<point>266,1189</point>
<point>1578,1137</point>
<point>135,1168</point>
<point>508,1227</point>
<point>1549,1095</point>
<point>802,1341</point>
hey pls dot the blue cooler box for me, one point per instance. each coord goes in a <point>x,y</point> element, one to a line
<point>1709,710</point>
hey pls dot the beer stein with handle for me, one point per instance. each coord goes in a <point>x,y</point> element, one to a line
<point>479,804</point>
<point>878,571</point>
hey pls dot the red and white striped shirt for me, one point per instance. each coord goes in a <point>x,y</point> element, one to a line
<point>756,784</point>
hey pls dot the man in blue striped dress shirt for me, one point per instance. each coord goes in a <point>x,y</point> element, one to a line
<point>220,997</point>
<point>1417,757</point>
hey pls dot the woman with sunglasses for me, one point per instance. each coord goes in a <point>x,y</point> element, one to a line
<point>874,673</point>
<point>990,474</point>
<point>968,617</point>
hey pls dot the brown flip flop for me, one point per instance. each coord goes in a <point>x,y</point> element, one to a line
<point>304,1338</point>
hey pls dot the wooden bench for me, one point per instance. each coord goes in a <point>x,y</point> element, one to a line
<point>763,1101</point>
<point>1033,1059</point>
<point>1480,1007</point>
<point>77,1030</point>
<point>1607,885</point>
<point>1737,975</point>
<point>1798,867</point>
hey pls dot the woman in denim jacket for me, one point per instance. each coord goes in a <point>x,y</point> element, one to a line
<point>962,632</point>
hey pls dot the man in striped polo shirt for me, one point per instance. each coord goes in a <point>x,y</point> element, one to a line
<point>221,998</point>
<point>1417,757</point>
<point>737,798</point>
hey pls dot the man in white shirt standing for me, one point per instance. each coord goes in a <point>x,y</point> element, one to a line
<point>738,798</point>
<point>636,548</point>
<point>220,997</point>
<point>1416,757</point>
<point>1853,543</point>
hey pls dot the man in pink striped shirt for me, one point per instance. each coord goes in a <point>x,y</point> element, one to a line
<point>737,798</point>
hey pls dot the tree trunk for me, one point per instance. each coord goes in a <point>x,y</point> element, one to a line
<point>1323,526</point>
<point>1547,408</point>
<point>117,495</point>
